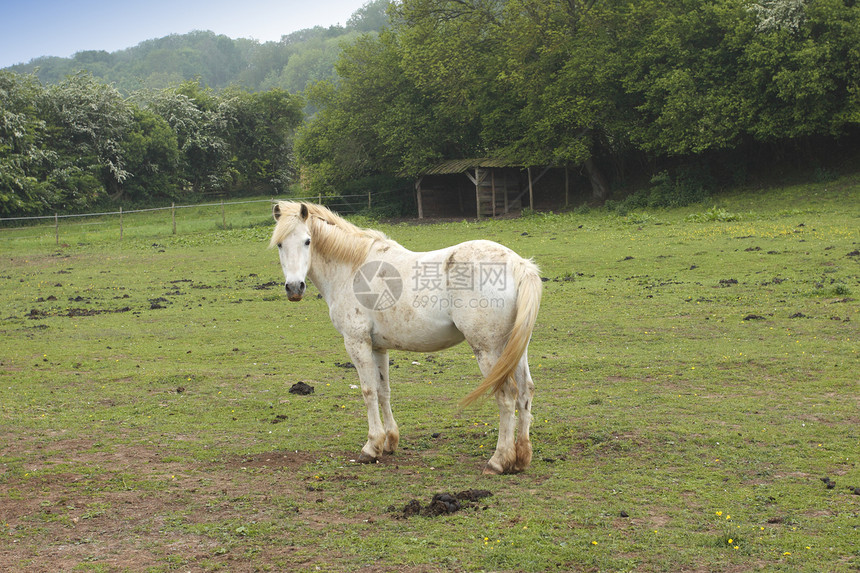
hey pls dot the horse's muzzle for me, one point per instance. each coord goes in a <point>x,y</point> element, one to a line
<point>295,291</point>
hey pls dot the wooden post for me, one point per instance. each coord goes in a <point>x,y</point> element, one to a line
<point>173,215</point>
<point>56,229</point>
<point>566,186</point>
<point>493,188</point>
<point>368,200</point>
<point>418,193</point>
<point>506,192</point>
<point>120,222</point>
<point>478,191</point>
<point>531,191</point>
<point>223,216</point>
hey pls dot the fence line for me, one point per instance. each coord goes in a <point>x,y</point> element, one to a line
<point>318,198</point>
<point>359,201</point>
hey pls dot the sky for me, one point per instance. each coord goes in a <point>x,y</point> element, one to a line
<point>33,28</point>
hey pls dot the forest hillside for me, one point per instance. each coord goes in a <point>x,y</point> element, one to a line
<point>217,61</point>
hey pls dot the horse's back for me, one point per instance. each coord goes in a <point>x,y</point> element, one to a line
<point>468,290</point>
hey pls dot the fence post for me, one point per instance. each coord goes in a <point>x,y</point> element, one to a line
<point>566,186</point>
<point>56,229</point>
<point>120,222</point>
<point>223,216</point>
<point>531,191</point>
<point>368,200</point>
<point>173,213</point>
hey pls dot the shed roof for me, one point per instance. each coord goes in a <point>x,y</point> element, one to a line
<point>460,165</point>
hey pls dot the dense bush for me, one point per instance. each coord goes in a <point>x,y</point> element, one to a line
<point>72,145</point>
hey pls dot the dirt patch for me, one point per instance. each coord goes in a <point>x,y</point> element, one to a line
<point>283,460</point>
<point>74,312</point>
<point>268,285</point>
<point>442,504</point>
<point>135,507</point>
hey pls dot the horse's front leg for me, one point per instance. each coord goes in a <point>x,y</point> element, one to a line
<point>392,434</point>
<point>362,355</point>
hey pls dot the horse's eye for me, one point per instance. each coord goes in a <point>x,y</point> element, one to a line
<point>279,245</point>
<point>307,242</point>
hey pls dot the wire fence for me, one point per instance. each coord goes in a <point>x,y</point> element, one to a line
<point>151,222</point>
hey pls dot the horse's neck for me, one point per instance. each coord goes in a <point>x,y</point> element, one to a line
<point>329,276</point>
<point>320,280</point>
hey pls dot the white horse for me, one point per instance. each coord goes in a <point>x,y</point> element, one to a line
<point>382,296</point>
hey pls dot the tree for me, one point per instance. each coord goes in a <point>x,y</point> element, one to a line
<point>376,120</point>
<point>24,160</point>
<point>801,70</point>
<point>70,145</point>
<point>260,137</point>
<point>371,17</point>
<point>198,120</point>
<point>86,122</point>
<point>523,80</point>
<point>709,76</point>
<point>312,63</point>
<point>591,83</point>
<point>560,59</point>
<point>152,158</point>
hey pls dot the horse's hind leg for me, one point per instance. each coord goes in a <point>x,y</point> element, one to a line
<point>392,434</point>
<point>525,394</point>
<point>504,458</point>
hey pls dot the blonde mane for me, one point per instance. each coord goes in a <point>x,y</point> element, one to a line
<point>332,236</point>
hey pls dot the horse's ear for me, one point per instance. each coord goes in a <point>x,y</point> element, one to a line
<point>303,213</point>
<point>276,211</point>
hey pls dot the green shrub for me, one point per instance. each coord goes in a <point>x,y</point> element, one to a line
<point>686,186</point>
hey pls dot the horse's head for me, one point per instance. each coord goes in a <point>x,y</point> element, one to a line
<point>294,247</point>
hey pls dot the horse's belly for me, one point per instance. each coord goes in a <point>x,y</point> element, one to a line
<point>416,337</point>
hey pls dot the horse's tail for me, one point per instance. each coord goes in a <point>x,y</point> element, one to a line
<point>529,288</point>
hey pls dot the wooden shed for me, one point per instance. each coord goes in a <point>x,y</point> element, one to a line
<point>481,187</point>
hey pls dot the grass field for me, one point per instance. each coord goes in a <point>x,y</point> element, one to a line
<point>696,371</point>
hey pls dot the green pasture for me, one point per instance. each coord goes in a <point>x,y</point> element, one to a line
<point>117,227</point>
<point>697,376</point>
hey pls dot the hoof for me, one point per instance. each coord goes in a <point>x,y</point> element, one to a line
<point>492,470</point>
<point>366,459</point>
<point>524,456</point>
<point>391,441</point>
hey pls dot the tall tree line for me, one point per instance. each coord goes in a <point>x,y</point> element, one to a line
<point>688,91</point>
<point>596,85</point>
<point>72,145</point>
